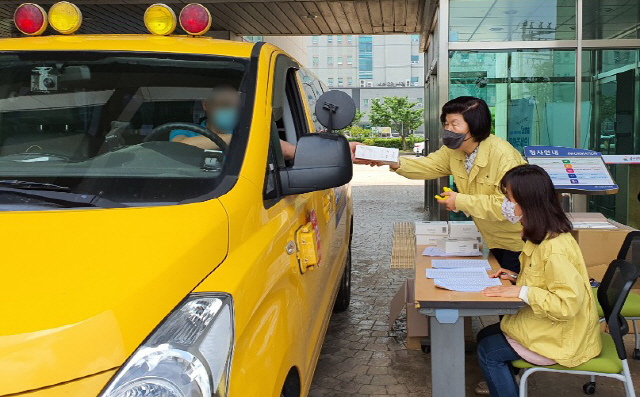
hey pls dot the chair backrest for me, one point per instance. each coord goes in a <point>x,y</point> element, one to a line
<point>630,250</point>
<point>612,293</point>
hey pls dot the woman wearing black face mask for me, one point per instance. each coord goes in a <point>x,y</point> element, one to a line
<point>477,160</point>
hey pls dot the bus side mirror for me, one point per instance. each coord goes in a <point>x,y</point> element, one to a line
<point>322,161</point>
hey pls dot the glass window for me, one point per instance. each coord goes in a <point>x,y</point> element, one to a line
<point>339,60</point>
<point>414,79</point>
<point>610,122</point>
<point>350,81</point>
<point>314,39</point>
<point>316,60</point>
<point>415,38</point>
<point>330,79</point>
<point>605,19</point>
<point>340,82</point>
<point>365,57</point>
<point>420,101</point>
<point>329,60</point>
<point>415,59</point>
<point>339,39</point>
<point>312,90</point>
<point>531,93</point>
<point>512,20</point>
<point>349,60</point>
<point>79,119</point>
<point>366,102</point>
<point>349,38</point>
<point>329,39</point>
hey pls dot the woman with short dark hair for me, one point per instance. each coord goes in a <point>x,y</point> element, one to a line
<point>477,160</point>
<point>559,323</point>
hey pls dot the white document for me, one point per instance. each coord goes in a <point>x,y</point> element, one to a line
<point>466,285</point>
<point>376,153</point>
<point>460,263</point>
<point>473,273</point>
<point>434,251</point>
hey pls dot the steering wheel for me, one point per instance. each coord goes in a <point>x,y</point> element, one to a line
<point>161,132</point>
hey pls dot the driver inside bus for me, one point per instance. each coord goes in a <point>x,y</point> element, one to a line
<point>222,107</point>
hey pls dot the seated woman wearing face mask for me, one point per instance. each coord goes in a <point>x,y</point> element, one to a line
<point>222,108</point>
<point>477,160</point>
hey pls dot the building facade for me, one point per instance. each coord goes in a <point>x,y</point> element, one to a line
<point>553,72</point>
<point>366,61</point>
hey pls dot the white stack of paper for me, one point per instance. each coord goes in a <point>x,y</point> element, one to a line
<point>435,251</point>
<point>460,263</point>
<point>473,279</point>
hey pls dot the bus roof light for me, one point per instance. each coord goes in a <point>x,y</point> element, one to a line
<point>30,19</point>
<point>65,17</point>
<point>160,19</point>
<point>195,19</point>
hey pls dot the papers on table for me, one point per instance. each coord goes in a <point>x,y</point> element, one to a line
<point>473,279</point>
<point>435,251</point>
<point>470,273</point>
<point>593,225</point>
<point>466,285</point>
<point>460,263</point>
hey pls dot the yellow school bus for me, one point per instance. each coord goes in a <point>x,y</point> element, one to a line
<point>137,265</point>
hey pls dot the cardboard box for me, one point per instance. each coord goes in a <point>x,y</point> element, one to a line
<point>458,245</point>
<point>436,228</point>
<point>597,272</point>
<point>417,324</point>
<point>376,153</point>
<point>428,239</point>
<point>598,246</point>
<point>463,229</point>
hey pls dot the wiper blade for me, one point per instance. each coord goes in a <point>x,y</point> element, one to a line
<point>17,184</point>
<point>65,199</point>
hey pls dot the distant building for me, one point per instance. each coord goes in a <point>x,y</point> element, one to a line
<point>366,61</point>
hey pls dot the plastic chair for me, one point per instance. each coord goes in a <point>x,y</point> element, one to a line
<point>630,252</point>
<point>612,360</point>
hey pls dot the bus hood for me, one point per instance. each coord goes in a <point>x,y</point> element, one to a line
<point>81,289</point>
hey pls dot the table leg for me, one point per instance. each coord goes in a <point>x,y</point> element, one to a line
<point>447,354</point>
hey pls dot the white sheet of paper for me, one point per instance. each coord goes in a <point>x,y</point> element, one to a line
<point>376,153</point>
<point>466,285</point>
<point>460,263</point>
<point>473,273</point>
<point>434,251</point>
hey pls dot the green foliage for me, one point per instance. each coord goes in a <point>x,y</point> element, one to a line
<point>396,112</point>
<point>354,127</point>
<point>391,142</point>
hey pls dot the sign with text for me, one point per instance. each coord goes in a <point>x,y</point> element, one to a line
<point>573,170</point>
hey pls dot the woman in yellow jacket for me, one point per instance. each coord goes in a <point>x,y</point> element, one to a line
<point>559,323</point>
<point>477,160</point>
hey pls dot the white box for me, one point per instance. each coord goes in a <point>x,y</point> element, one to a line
<point>436,228</point>
<point>428,239</point>
<point>463,229</point>
<point>376,153</point>
<point>458,245</point>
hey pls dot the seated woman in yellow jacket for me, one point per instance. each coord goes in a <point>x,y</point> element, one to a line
<point>559,323</point>
<point>477,160</point>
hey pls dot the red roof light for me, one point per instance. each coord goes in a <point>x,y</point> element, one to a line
<point>195,19</point>
<point>30,19</point>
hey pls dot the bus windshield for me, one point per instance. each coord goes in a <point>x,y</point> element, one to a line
<point>114,125</point>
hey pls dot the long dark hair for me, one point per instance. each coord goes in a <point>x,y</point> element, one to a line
<point>532,189</point>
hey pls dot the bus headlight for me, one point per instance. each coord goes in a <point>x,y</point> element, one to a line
<point>189,355</point>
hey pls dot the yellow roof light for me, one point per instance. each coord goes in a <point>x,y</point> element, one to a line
<point>160,19</point>
<point>65,17</point>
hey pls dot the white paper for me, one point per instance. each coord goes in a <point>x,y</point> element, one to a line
<point>593,225</point>
<point>435,251</point>
<point>375,153</point>
<point>474,273</point>
<point>460,263</point>
<point>466,285</point>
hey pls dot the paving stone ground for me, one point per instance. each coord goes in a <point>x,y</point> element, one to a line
<point>361,356</point>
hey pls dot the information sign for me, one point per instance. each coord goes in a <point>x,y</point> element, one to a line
<point>573,170</point>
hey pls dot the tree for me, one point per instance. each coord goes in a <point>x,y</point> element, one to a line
<point>354,124</point>
<point>396,112</point>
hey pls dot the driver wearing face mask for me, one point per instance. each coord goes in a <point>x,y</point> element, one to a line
<point>222,108</point>
<point>477,161</point>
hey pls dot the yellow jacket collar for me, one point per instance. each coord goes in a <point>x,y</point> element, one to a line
<point>529,247</point>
